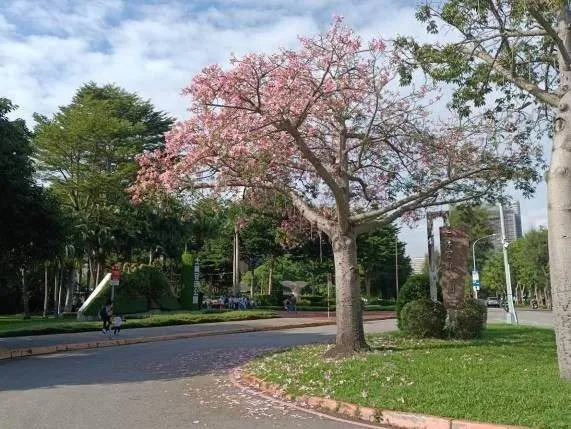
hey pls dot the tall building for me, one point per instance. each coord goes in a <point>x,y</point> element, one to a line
<point>512,222</point>
<point>417,264</point>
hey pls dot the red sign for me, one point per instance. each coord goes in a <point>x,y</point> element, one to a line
<point>115,273</point>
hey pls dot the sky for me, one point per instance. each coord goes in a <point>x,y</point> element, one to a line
<point>49,48</point>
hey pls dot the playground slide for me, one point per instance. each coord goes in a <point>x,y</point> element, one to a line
<point>93,295</point>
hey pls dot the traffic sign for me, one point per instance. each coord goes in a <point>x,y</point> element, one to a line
<point>475,280</point>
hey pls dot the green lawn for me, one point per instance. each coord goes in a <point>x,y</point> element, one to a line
<point>16,325</point>
<point>510,376</point>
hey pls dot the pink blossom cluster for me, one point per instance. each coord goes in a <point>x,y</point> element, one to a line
<point>322,124</point>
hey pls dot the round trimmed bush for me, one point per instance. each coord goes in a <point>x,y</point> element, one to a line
<point>423,318</point>
<point>470,319</point>
<point>416,287</point>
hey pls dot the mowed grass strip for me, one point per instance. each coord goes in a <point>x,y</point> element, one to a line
<point>16,325</point>
<point>510,376</point>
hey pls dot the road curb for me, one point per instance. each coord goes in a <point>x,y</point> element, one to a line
<point>352,412</point>
<point>58,348</point>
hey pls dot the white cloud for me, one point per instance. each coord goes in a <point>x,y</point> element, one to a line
<point>51,47</point>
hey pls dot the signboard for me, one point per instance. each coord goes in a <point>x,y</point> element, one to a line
<point>475,280</point>
<point>196,283</point>
<point>454,251</point>
<point>115,275</point>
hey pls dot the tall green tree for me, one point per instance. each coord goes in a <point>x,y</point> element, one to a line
<point>86,152</point>
<point>30,223</point>
<point>518,54</point>
<point>475,219</point>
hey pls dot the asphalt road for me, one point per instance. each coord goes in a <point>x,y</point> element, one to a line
<point>172,384</point>
<point>525,316</point>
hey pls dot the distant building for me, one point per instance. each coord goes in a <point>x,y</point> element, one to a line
<point>512,222</point>
<point>417,264</point>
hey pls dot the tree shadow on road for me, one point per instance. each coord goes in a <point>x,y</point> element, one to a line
<point>166,360</point>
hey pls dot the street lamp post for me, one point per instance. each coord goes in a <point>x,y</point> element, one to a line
<point>512,315</point>
<point>474,258</point>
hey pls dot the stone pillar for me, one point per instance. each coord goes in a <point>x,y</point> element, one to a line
<point>454,246</point>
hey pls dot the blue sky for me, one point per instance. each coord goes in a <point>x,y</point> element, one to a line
<point>48,48</point>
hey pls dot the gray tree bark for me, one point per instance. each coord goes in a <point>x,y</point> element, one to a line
<point>349,313</point>
<point>559,209</point>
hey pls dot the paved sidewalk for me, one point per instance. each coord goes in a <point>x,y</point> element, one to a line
<point>11,347</point>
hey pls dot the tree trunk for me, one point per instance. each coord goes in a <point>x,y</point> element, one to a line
<point>349,314</point>
<point>46,290</point>
<point>56,283</point>
<point>90,274</point>
<point>69,290</point>
<point>559,209</point>
<point>270,276</point>
<point>367,285</point>
<point>97,273</point>
<point>25,297</point>
<point>60,286</point>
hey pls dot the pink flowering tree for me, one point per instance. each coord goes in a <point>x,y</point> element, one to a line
<point>326,126</point>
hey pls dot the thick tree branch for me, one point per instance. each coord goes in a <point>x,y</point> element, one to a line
<point>364,217</point>
<point>385,220</point>
<point>552,33</point>
<point>544,96</point>
<point>340,197</point>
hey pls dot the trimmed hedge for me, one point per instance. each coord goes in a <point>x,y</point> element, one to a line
<point>423,318</point>
<point>169,303</point>
<point>470,320</point>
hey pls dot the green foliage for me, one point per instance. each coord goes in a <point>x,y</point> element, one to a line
<point>31,225</point>
<point>129,304</point>
<point>492,276</point>
<point>470,320</point>
<point>474,218</point>
<point>146,281</point>
<point>168,303</point>
<point>277,295</point>
<point>417,287</point>
<point>423,318</point>
<point>376,256</point>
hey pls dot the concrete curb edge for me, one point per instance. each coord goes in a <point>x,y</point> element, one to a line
<point>397,419</point>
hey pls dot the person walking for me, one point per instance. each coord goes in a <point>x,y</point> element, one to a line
<point>106,312</point>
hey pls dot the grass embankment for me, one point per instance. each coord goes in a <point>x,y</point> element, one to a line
<point>16,325</point>
<point>510,376</point>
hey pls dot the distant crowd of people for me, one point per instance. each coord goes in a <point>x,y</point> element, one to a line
<point>230,302</point>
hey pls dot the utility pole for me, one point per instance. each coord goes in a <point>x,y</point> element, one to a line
<point>511,316</point>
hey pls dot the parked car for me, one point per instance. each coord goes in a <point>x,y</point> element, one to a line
<point>494,301</point>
